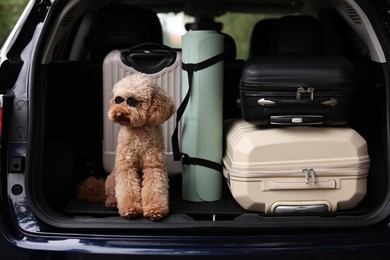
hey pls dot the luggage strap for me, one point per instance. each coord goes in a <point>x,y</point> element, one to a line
<point>177,154</point>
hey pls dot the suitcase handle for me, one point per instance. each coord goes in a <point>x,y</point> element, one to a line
<point>149,58</point>
<point>297,120</point>
<point>331,102</point>
<point>150,46</point>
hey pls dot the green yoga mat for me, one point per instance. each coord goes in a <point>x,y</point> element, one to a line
<point>202,119</point>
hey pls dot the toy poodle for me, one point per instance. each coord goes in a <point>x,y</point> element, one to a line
<point>138,184</point>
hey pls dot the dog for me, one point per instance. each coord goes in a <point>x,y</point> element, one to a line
<point>138,184</point>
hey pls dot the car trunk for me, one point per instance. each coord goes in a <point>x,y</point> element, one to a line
<point>67,139</point>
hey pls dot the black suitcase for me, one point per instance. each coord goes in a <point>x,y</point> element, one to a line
<point>280,90</point>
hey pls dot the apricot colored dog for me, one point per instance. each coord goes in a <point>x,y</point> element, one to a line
<point>138,184</point>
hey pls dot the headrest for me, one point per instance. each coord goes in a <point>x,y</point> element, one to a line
<point>122,26</point>
<point>296,35</point>
<point>259,44</point>
<point>230,50</point>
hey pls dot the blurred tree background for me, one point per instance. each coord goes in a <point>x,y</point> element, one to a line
<point>10,11</point>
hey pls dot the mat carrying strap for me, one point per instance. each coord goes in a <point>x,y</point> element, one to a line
<point>177,154</point>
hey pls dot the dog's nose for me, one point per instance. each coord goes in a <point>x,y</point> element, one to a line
<point>119,116</point>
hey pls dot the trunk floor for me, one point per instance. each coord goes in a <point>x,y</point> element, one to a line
<point>227,205</point>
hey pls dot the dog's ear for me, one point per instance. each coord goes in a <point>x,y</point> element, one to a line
<point>161,107</point>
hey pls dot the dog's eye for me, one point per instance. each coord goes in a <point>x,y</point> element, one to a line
<point>119,100</point>
<point>131,102</point>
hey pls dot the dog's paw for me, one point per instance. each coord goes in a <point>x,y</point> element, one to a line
<point>111,202</point>
<point>155,213</point>
<point>130,212</point>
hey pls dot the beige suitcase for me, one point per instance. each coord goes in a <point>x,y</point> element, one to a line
<point>160,63</point>
<point>295,169</point>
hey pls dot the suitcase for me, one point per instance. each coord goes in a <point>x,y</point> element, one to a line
<point>301,169</point>
<point>163,65</point>
<point>280,90</point>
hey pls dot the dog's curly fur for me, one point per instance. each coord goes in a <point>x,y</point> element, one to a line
<point>138,184</point>
<point>92,189</point>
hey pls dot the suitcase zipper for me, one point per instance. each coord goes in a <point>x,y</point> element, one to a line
<point>290,89</point>
<point>308,173</point>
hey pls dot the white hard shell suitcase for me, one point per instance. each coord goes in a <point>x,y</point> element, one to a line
<point>295,169</point>
<point>160,63</point>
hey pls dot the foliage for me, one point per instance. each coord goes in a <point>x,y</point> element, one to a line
<point>10,11</point>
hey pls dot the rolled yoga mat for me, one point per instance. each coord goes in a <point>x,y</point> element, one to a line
<point>202,118</point>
